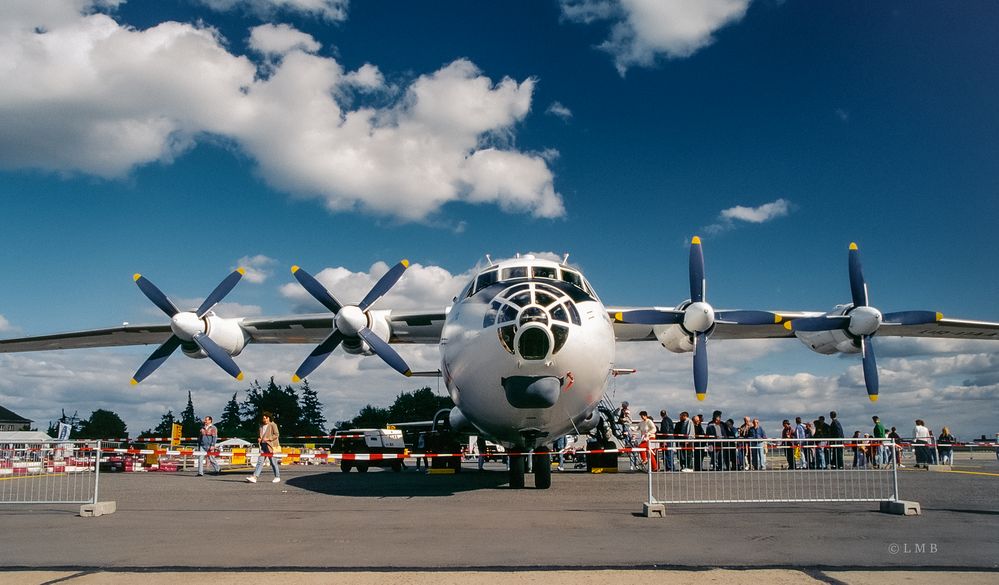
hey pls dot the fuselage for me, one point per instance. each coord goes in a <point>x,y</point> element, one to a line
<point>526,351</point>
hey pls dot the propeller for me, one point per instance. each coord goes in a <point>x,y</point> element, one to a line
<point>188,326</point>
<point>351,321</point>
<point>698,317</point>
<point>862,321</point>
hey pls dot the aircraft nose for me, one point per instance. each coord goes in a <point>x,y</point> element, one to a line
<point>532,391</point>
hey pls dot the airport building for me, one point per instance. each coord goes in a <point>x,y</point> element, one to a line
<point>11,421</point>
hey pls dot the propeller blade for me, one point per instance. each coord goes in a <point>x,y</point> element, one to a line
<point>830,323</point>
<point>385,351</point>
<point>912,317</point>
<point>318,356</point>
<point>649,317</point>
<point>696,271</point>
<point>155,295</point>
<point>858,288</point>
<point>156,359</point>
<point>701,365</point>
<point>384,284</point>
<point>224,288</point>
<point>748,317</point>
<point>870,367</point>
<point>317,290</point>
<point>218,355</point>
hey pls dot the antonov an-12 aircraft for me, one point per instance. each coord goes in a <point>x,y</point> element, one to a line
<point>527,347</point>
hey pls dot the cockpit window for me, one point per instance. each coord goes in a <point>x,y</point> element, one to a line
<point>485,279</point>
<point>515,272</point>
<point>572,278</point>
<point>544,272</point>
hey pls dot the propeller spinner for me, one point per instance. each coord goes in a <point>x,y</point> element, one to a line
<point>351,321</point>
<point>862,321</point>
<point>697,318</point>
<point>188,326</point>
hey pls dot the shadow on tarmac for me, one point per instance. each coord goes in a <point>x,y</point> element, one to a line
<point>386,484</point>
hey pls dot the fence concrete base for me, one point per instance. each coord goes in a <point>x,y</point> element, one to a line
<point>938,467</point>
<point>98,509</point>
<point>649,510</point>
<point>901,508</point>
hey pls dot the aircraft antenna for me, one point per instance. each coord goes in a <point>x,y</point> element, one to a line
<point>565,259</point>
<point>489,260</point>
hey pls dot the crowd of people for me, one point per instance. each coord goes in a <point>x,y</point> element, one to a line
<point>691,445</point>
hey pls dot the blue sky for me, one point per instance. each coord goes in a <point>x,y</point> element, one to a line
<point>175,138</point>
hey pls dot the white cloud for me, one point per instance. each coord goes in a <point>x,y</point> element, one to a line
<point>644,30</point>
<point>5,326</point>
<point>258,268</point>
<point>765,212</point>
<point>330,10</point>
<point>421,287</point>
<point>89,95</point>
<point>761,214</point>
<point>278,39</point>
<point>559,111</point>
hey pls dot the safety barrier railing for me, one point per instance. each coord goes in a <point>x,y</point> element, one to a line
<point>49,472</point>
<point>707,471</point>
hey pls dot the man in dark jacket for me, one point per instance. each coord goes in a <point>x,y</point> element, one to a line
<point>683,432</point>
<point>836,432</point>
<point>666,432</point>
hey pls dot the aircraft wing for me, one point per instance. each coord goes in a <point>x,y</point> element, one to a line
<point>943,329</point>
<point>630,332</point>
<point>107,337</point>
<point>407,327</point>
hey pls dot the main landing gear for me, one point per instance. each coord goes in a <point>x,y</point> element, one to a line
<point>542,465</point>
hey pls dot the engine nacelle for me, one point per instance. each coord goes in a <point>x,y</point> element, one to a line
<point>378,323</point>
<point>226,333</point>
<point>675,339</point>
<point>830,342</point>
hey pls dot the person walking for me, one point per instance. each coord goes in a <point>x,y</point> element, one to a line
<point>206,443</point>
<point>269,446</point>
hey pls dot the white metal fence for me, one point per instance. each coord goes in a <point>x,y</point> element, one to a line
<point>703,471</point>
<point>49,472</point>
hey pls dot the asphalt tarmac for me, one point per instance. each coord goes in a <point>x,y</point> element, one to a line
<point>320,518</point>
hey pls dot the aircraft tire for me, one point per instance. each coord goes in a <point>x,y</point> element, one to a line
<point>542,470</point>
<point>345,467</point>
<point>517,472</point>
<point>397,467</point>
<point>362,468</point>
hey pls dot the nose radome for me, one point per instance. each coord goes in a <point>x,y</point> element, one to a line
<point>532,391</point>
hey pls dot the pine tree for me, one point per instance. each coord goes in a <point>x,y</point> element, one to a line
<point>188,420</point>
<point>165,427</point>
<point>282,403</point>
<point>230,425</point>
<point>313,421</point>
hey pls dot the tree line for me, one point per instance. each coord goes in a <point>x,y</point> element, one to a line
<point>298,412</point>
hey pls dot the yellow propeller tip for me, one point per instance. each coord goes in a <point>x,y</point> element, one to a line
<point>294,269</point>
<point>619,317</point>
<point>787,325</point>
<point>136,276</point>
<point>695,240</point>
<point>134,382</point>
<point>296,379</point>
<point>939,316</point>
<point>241,270</point>
<point>853,245</point>
<point>778,318</point>
<point>701,396</point>
<point>408,373</point>
<point>239,376</point>
<point>873,397</point>
<point>404,262</point>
